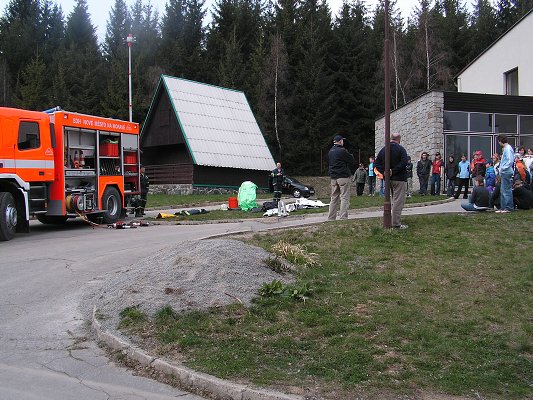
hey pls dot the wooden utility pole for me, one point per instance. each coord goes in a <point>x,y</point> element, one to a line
<point>387,204</point>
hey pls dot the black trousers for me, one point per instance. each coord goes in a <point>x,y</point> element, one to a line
<point>360,188</point>
<point>277,192</point>
<point>462,182</point>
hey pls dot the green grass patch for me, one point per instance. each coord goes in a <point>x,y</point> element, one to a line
<point>445,306</point>
<point>176,201</point>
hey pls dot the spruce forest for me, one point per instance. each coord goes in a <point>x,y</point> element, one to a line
<point>309,72</point>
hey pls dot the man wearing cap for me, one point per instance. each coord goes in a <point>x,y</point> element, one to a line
<point>398,177</point>
<point>341,168</point>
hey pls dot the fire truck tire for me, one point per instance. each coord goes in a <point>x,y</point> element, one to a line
<point>51,219</point>
<point>112,205</point>
<point>8,216</point>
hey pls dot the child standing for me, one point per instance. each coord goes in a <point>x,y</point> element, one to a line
<point>451,173</point>
<point>371,177</point>
<point>464,176</point>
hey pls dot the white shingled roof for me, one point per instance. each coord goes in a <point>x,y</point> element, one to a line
<point>219,126</point>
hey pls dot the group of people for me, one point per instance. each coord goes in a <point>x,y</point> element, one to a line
<point>503,183</point>
<point>342,168</point>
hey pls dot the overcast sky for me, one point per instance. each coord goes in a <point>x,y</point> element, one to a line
<point>99,9</point>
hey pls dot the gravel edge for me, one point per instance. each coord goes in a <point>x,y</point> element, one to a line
<point>189,379</point>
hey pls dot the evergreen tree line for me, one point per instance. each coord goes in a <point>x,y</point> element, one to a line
<point>308,75</point>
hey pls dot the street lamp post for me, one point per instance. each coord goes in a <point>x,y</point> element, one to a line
<point>130,40</point>
<point>387,222</point>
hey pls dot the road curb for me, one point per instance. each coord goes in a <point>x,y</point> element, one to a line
<point>189,379</point>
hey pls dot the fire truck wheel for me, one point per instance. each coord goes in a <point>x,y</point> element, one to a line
<point>112,205</point>
<point>8,216</point>
<point>51,219</point>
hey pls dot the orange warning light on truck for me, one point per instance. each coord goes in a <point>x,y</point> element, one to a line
<point>56,165</point>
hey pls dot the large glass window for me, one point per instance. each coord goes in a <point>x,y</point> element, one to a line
<point>526,141</point>
<point>29,137</point>
<point>455,121</point>
<point>526,124</point>
<point>511,82</point>
<point>456,145</point>
<point>480,122</point>
<point>505,123</point>
<point>483,143</point>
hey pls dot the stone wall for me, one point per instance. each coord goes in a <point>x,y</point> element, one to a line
<point>420,123</point>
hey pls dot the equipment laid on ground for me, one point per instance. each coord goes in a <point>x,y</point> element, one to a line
<point>56,165</point>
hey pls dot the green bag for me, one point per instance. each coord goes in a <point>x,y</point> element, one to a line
<point>247,195</point>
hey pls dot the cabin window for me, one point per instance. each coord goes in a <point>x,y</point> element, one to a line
<point>29,136</point>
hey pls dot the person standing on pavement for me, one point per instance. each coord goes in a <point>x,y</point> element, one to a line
<point>451,171</point>
<point>277,182</point>
<point>398,177</point>
<point>371,177</point>
<point>436,169</point>
<point>423,169</point>
<point>145,185</point>
<point>506,175</point>
<point>464,176</point>
<point>360,179</point>
<point>341,168</point>
<point>409,169</point>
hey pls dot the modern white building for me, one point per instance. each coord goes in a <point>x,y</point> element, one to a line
<point>506,66</point>
<point>495,95</point>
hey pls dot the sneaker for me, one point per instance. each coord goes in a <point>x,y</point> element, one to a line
<point>402,226</point>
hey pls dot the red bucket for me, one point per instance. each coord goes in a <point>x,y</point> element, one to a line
<point>233,202</point>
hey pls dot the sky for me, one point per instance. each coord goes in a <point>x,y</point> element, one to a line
<point>99,9</point>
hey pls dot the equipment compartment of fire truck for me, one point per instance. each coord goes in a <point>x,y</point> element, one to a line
<point>58,165</point>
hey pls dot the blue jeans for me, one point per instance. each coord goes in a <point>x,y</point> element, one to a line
<point>470,207</point>
<point>435,180</point>
<point>506,191</point>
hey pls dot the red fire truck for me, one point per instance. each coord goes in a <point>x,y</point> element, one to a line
<point>56,165</point>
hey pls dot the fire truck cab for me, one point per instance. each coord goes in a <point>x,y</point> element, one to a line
<point>57,165</point>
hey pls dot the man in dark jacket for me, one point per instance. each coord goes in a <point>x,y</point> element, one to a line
<point>398,177</point>
<point>277,182</point>
<point>423,169</point>
<point>341,168</point>
<point>145,184</point>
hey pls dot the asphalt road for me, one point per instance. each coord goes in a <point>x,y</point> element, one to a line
<point>46,349</point>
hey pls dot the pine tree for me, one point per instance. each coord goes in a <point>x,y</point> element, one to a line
<point>21,38</point>
<point>484,28</point>
<point>115,102</point>
<point>33,90</point>
<point>146,70</point>
<point>82,63</point>
<point>354,62</point>
<point>172,50</point>
<point>313,97</point>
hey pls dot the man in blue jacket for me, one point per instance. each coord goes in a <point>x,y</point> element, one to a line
<point>398,177</point>
<point>341,168</point>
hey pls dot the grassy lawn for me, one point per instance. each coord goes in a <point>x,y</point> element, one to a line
<point>444,307</point>
<point>355,203</point>
<point>192,200</point>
